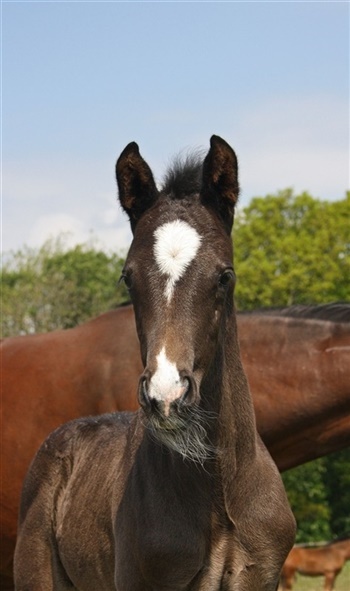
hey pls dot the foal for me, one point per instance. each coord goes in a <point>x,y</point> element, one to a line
<point>181,495</point>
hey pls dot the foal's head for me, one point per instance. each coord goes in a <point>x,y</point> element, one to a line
<point>180,276</point>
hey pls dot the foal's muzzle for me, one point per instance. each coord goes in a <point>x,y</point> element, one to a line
<point>170,400</point>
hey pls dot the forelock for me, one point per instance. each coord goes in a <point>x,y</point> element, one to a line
<point>184,176</point>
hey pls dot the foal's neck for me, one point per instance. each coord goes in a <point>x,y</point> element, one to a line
<point>226,391</point>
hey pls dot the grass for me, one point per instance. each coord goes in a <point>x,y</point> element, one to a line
<point>342,583</point>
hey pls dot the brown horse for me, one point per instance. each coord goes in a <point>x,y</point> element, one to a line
<point>326,561</point>
<point>298,366</point>
<point>182,494</point>
<point>298,355</point>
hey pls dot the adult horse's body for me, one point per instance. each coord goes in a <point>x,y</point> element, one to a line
<point>181,495</point>
<point>298,367</point>
<point>296,360</point>
<point>326,561</point>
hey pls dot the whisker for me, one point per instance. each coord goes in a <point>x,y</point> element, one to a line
<point>186,434</point>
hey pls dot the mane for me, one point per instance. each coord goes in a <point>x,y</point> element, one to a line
<point>333,312</point>
<point>184,176</point>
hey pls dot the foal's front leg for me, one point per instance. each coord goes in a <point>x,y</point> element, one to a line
<point>37,564</point>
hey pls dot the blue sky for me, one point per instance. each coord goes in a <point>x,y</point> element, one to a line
<point>80,80</point>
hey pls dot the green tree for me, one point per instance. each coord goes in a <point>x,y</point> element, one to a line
<point>55,287</point>
<point>308,499</point>
<point>337,486</point>
<point>292,249</point>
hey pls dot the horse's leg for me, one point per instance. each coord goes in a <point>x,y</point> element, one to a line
<point>287,579</point>
<point>329,580</point>
<point>37,563</point>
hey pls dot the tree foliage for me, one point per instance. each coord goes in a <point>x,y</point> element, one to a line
<point>292,250</point>
<point>337,485</point>
<point>308,498</point>
<point>54,287</point>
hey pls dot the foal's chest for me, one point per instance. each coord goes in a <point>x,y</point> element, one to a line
<point>174,541</point>
<point>160,542</point>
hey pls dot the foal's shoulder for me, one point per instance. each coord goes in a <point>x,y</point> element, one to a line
<point>92,431</point>
<point>76,443</point>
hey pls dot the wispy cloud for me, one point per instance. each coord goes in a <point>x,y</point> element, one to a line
<point>303,143</point>
<point>298,142</point>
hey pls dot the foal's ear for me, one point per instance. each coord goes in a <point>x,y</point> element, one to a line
<point>137,189</point>
<point>220,180</point>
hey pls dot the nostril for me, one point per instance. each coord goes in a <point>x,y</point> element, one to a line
<point>187,387</point>
<point>143,395</point>
<point>189,393</point>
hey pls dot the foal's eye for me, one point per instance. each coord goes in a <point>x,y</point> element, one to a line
<point>226,277</point>
<point>126,278</point>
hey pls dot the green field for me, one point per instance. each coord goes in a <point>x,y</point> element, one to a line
<point>316,583</point>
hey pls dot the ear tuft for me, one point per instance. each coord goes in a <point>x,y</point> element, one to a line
<point>137,189</point>
<point>220,187</point>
